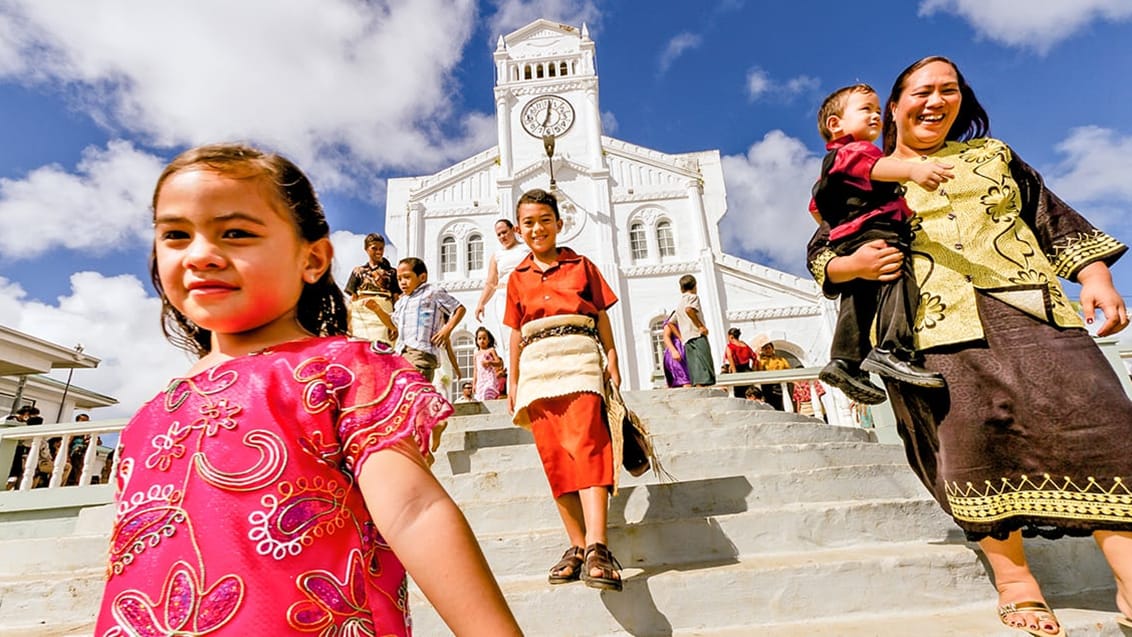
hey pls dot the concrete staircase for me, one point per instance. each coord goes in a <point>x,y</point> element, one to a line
<point>777,525</point>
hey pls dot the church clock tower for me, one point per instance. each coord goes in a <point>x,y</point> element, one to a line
<point>546,85</point>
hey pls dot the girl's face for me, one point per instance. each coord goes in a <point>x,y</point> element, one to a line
<point>506,235</point>
<point>229,260</point>
<point>481,341</point>
<point>927,107</point>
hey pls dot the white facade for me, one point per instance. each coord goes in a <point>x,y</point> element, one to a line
<point>644,217</point>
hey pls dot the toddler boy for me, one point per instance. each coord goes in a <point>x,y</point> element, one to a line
<point>859,195</point>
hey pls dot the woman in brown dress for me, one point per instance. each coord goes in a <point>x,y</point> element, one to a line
<point>1033,433</point>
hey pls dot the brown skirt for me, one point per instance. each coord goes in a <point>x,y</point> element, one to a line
<point>1033,432</point>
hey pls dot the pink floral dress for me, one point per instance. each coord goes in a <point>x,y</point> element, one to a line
<point>238,511</point>
<point>488,385</point>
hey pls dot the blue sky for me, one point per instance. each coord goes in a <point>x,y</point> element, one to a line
<point>95,97</point>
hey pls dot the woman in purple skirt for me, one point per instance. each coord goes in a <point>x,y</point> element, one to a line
<point>675,367</point>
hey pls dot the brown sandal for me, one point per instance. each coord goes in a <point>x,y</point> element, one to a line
<point>598,556</point>
<point>571,559</point>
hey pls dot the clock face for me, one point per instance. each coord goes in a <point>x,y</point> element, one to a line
<point>547,115</point>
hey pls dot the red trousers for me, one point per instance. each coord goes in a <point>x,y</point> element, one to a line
<point>573,441</point>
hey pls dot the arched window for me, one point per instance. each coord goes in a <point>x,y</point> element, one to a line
<point>563,69</point>
<point>552,69</point>
<point>526,71</point>
<point>465,347</point>
<point>637,242</point>
<point>475,252</point>
<point>448,254</point>
<point>539,71</point>
<point>656,337</point>
<point>664,241</point>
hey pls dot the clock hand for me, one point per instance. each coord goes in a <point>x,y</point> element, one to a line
<point>546,118</point>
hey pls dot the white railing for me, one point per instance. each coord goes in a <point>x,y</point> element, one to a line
<point>35,437</point>
<point>795,376</point>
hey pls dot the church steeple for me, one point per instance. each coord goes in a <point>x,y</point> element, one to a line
<point>546,84</point>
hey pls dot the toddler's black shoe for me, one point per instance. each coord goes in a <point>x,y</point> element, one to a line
<point>853,383</point>
<point>889,365</point>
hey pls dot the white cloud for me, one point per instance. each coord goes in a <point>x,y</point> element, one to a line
<point>760,85</point>
<point>513,14</point>
<point>1036,25</point>
<point>349,88</point>
<point>102,206</point>
<point>608,123</point>
<point>677,46</point>
<point>1092,177</point>
<point>768,191</point>
<point>116,321</point>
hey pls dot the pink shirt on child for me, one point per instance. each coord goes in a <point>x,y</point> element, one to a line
<point>238,512</point>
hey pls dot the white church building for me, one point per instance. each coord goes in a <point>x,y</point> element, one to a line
<point>646,218</point>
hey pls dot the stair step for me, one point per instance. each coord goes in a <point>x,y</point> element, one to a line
<point>62,599</point>
<point>774,588</point>
<point>696,500</point>
<point>685,454</point>
<point>52,554</point>
<point>1093,620</point>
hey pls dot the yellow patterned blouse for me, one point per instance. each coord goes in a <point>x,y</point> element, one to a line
<point>994,229</point>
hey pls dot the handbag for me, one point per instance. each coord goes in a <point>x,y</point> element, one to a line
<point>637,452</point>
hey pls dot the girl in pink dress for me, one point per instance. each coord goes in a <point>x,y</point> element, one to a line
<point>280,487</point>
<point>488,366</point>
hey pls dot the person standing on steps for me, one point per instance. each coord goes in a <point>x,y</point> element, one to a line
<point>556,309</point>
<point>690,322</point>
<point>373,291</point>
<point>1033,432</point>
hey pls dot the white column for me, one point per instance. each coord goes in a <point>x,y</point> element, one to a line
<point>503,126</point>
<point>593,128</point>
<point>414,230</point>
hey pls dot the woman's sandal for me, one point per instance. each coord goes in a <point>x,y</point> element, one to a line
<point>599,557</point>
<point>571,559</point>
<point>1038,608</point>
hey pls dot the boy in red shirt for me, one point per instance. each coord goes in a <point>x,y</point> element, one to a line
<point>556,302</point>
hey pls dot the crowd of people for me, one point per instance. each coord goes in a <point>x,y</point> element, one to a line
<point>956,265</point>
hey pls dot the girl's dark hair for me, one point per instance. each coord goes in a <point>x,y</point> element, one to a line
<point>490,338</point>
<point>321,309</point>
<point>506,222</point>
<point>733,332</point>
<point>971,123</point>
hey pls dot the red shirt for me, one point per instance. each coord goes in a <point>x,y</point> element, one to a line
<point>573,285</point>
<point>846,196</point>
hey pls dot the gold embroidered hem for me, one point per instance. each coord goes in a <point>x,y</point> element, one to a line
<point>557,365</point>
<point>1073,253</point>
<point>1055,499</point>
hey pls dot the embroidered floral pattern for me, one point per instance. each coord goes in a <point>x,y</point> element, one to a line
<point>301,512</point>
<point>167,447</point>
<point>1000,203</point>
<point>217,416</point>
<point>323,382</point>
<point>142,522</point>
<point>334,607</point>
<point>930,311</point>
<point>186,607</point>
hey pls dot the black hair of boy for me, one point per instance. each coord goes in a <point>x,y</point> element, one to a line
<point>687,283</point>
<point>539,196</point>
<point>373,238</point>
<point>416,264</point>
